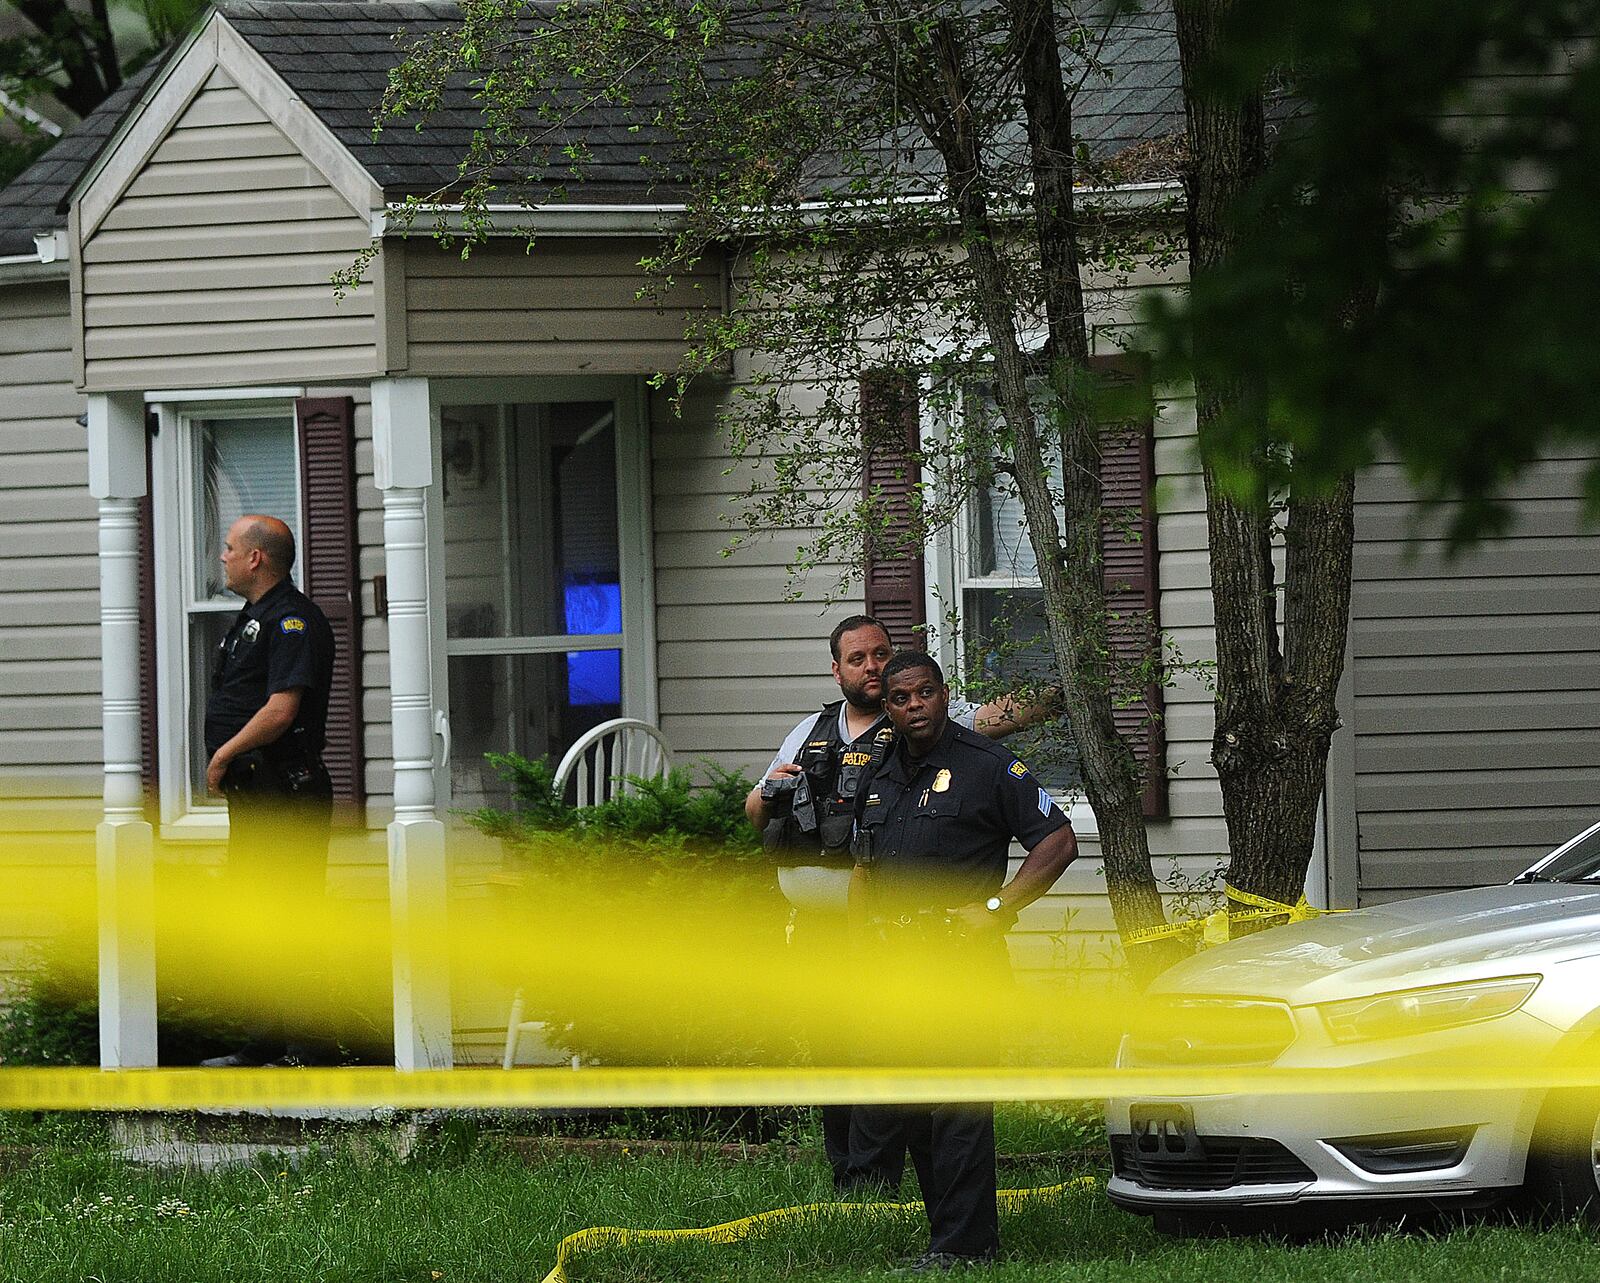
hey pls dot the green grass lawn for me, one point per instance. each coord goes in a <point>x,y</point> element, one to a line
<point>462,1208</point>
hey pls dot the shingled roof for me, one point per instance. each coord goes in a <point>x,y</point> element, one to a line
<point>336,56</point>
<point>32,201</point>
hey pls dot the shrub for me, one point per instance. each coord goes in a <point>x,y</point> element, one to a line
<point>671,864</point>
<point>670,812</point>
<point>53,1019</point>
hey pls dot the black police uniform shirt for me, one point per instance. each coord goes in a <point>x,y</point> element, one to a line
<point>940,829</point>
<point>277,643</point>
<point>825,884</point>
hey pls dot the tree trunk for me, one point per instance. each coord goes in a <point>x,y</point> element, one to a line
<point>1275,711</point>
<point>1066,548</point>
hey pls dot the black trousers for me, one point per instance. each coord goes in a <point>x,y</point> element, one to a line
<point>951,1146</point>
<point>861,1160</point>
<point>952,1149</point>
<point>277,870</point>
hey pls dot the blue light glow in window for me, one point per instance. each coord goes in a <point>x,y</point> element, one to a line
<point>593,676</point>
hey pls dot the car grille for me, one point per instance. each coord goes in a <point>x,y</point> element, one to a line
<point>1225,1161</point>
<point>1183,1030</point>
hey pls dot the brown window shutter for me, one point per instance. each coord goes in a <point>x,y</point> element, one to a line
<point>1128,546</point>
<point>331,573</point>
<point>893,576</point>
<point>149,729</point>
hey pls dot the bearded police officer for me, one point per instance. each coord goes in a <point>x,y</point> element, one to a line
<point>265,724</point>
<point>805,809</point>
<point>934,825</point>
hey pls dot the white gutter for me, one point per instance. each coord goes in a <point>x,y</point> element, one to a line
<point>547,220</point>
<point>52,247</point>
<point>574,219</point>
<point>48,261</point>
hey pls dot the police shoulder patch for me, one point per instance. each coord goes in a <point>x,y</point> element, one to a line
<point>292,624</point>
<point>1018,769</point>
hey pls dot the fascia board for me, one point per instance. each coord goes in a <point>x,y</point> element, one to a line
<point>143,128</point>
<point>217,44</point>
<point>299,123</point>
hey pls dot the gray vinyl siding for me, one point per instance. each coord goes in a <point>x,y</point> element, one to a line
<point>50,741</point>
<point>568,307</point>
<point>1476,686</point>
<point>737,664</point>
<point>213,268</point>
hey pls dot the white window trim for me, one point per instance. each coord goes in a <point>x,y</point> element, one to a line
<point>635,532</point>
<point>173,466</point>
<point>945,584</point>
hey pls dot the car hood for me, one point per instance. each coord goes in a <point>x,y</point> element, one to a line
<point>1437,939</point>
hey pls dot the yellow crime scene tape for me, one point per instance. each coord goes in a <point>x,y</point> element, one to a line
<point>685,976</point>
<point>1217,927</point>
<point>365,1088</point>
<point>598,1237</point>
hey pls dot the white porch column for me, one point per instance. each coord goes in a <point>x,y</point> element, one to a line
<point>124,855</point>
<point>403,467</point>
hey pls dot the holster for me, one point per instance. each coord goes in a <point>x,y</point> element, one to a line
<point>256,772</point>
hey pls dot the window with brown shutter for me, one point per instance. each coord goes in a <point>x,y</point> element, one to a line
<point>893,581</point>
<point>997,581</point>
<point>1128,548</point>
<point>330,574</point>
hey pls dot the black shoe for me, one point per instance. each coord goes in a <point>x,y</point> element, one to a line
<point>943,1263</point>
<point>243,1059</point>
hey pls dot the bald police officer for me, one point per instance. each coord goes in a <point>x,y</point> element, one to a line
<point>805,808</point>
<point>934,826</point>
<point>265,725</point>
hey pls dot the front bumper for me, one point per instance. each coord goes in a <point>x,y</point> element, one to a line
<point>1277,1149</point>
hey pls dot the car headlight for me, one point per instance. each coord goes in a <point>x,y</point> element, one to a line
<point>1417,1011</point>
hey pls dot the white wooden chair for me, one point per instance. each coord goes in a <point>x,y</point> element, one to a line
<point>604,758</point>
<point>601,765</point>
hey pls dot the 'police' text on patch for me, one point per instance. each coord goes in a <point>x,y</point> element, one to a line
<point>292,624</point>
<point>1018,769</point>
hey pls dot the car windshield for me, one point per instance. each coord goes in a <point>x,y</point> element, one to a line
<point>1579,863</point>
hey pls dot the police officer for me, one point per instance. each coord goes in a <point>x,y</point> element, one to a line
<point>805,809</point>
<point>265,724</point>
<point>934,826</point>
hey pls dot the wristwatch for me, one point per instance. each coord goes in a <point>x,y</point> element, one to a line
<point>1002,912</point>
